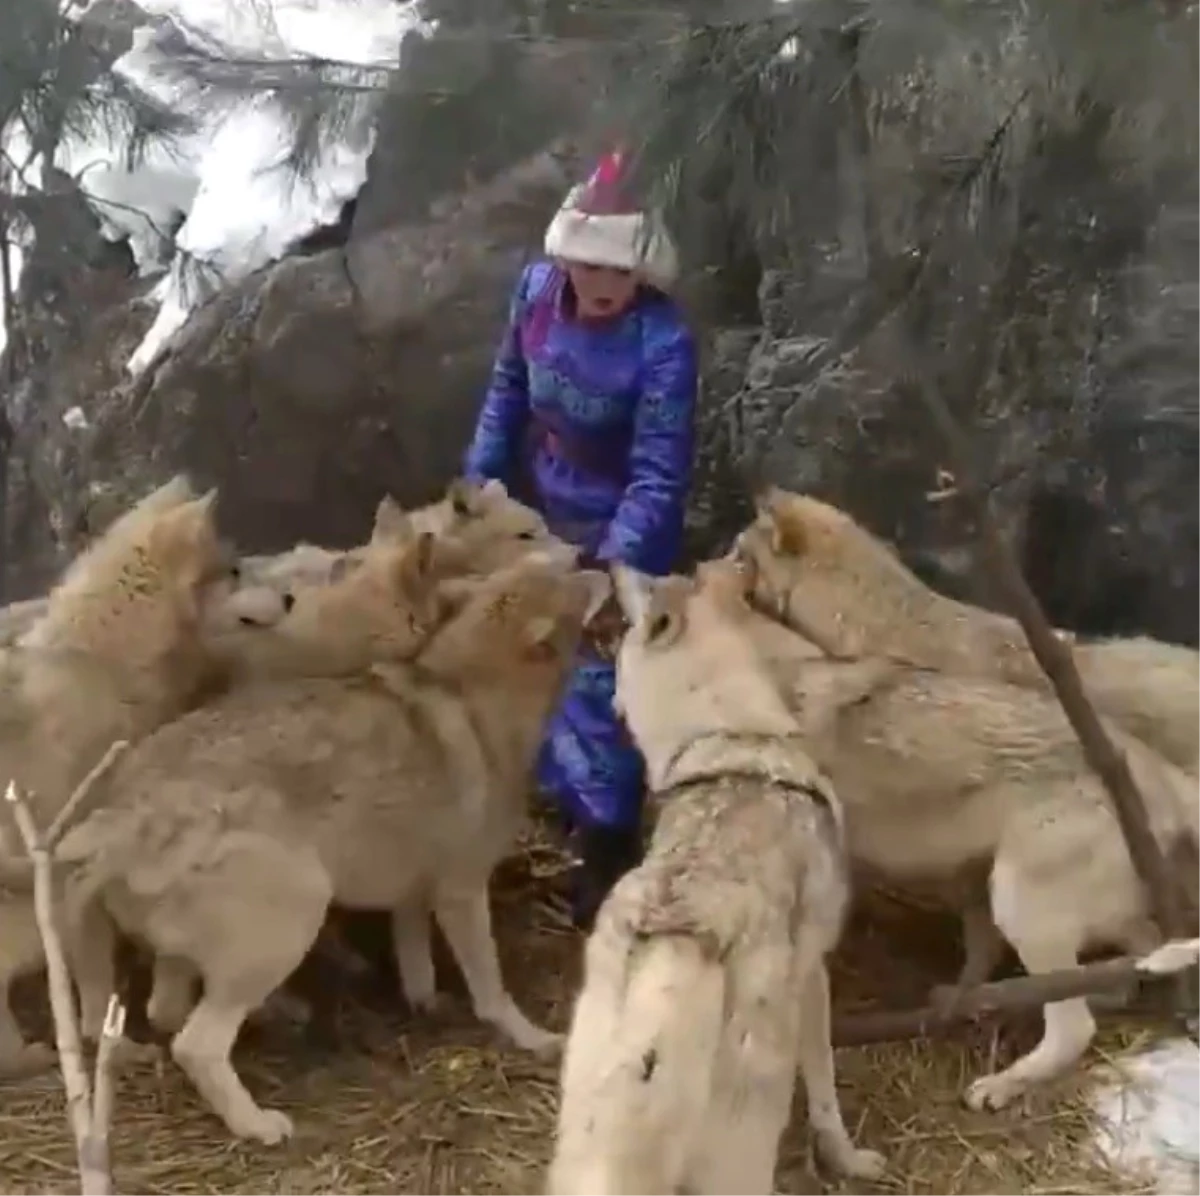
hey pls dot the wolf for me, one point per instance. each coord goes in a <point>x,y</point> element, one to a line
<point>832,580</point>
<point>785,653</point>
<point>477,516</point>
<point>347,612</point>
<point>944,775</point>
<point>227,833</point>
<point>705,982</point>
<point>488,525</point>
<point>118,650</point>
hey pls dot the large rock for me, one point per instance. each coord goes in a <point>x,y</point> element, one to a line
<point>313,387</point>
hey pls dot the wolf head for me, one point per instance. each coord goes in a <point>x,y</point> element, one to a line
<point>304,565</point>
<point>380,605</point>
<point>688,668</point>
<point>491,528</point>
<point>811,565</point>
<point>140,594</point>
<point>519,626</point>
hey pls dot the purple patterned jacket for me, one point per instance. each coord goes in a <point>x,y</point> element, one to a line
<point>593,423</point>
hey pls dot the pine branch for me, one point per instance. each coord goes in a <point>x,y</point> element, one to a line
<point>321,101</point>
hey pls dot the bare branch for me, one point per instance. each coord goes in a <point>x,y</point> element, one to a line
<point>89,1119</point>
<point>1058,663</point>
<point>950,1007</point>
<point>82,791</point>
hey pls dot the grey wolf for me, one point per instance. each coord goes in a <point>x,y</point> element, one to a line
<point>227,833</point>
<point>118,650</point>
<point>705,984</point>
<point>942,776</point>
<point>832,580</point>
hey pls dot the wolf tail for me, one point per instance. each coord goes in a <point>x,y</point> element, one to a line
<point>639,1062</point>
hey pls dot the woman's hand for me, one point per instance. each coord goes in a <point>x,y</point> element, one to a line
<point>604,633</point>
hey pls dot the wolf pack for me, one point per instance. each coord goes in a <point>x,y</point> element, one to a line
<point>360,728</point>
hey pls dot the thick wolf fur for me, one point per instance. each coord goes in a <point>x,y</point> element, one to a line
<point>381,610</point>
<point>705,983</point>
<point>489,527</point>
<point>942,775</point>
<point>229,831</point>
<point>348,612</point>
<point>834,582</point>
<point>786,653</point>
<point>118,651</point>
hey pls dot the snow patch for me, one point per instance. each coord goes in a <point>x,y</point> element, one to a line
<point>1149,1108</point>
<point>219,205</point>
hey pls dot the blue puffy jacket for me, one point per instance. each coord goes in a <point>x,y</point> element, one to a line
<point>594,422</point>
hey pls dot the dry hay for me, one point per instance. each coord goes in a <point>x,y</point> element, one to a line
<point>438,1105</point>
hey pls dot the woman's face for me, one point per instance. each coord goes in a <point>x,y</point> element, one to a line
<point>601,291</point>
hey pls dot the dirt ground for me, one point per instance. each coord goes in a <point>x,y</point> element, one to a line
<point>439,1105</point>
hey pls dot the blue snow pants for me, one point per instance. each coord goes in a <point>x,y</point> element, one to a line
<point>587,762</point>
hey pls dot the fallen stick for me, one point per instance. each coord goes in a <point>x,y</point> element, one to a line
<point>950,1006</point>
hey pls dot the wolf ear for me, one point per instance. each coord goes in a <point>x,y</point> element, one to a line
<point>393,524</point>
<point>493,489</point>
<point>463,497</point>
<point>788,533</point>
<point>341,567</point>
<point>725,580</point>
<point>185,532</point>
<point>539,637</point>
<point>414,566</point>
<point>664,617</point>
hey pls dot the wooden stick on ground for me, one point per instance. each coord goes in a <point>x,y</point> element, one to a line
<point>951,1006</point>
<point>89,1118</point>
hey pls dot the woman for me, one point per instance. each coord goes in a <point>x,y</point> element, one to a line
<point>589,416</point>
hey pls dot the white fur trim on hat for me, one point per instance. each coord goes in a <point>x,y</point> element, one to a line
<point>621,241</point>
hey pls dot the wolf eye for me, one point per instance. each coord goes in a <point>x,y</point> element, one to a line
<point>527,536</point>
<point>235,572</point>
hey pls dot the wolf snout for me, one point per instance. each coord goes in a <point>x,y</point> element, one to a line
<point>559,555</point>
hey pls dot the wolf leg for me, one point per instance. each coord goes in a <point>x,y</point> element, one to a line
<point>91,943</point>
<point>19,1058</point>
<point>741,1140</point>
<point>983,944</point>
<point>413,944</point>
<point>173,995</point>
<point>1046,940</point>
<point>247,927</point>
<point>20,952</point>
<point>465,917</point>
<point>815,1057</point>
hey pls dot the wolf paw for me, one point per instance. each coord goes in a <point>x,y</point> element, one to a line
<point>865,1164</point>
<point>31,1059</point>
<point>518,1029</point>
<point>268,1126</point>
<point>429,1004</point>
<point>992,1092</point>
<point>128,1053</point>
<point>836,1152</point>
<point>533,1038</point>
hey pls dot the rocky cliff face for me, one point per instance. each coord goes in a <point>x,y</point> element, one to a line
<point>348,370</point>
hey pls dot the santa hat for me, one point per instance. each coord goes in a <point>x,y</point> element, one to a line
<point>598,225</point>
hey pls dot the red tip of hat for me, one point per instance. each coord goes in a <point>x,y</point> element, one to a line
<point>603,194</point>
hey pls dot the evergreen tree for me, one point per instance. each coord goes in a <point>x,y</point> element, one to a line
<point>983,173</point>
